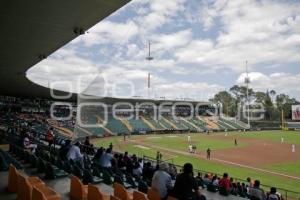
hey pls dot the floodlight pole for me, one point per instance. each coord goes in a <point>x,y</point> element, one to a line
<point>149,58</point>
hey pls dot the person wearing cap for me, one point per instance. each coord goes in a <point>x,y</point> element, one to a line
<point>161,181</point>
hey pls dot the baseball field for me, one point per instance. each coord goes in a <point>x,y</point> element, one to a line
<point>266,155</point>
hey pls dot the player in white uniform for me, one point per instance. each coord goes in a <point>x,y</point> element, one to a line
<point>293,148</point>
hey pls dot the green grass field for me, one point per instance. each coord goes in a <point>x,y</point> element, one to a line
<point>202,141</point>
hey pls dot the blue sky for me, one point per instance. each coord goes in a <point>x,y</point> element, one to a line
<point>199,48</point>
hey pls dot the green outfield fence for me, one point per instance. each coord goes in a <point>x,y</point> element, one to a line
<point>286,194</point>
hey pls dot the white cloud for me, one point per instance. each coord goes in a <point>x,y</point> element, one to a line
<point>280,82</point>
<point>259,32</point>
<point>165,42</point>
<point>109,32</point>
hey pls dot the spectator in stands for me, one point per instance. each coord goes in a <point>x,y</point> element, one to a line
<point>74,153</point>
<point>114,161</point>
<point>50,136</point>
<point>213,185</point>
<point>250,182</point>
<point>172,171</point>
<point>215,180</point>
<point>27,144</point>
<point>106,159</point>
<point>97,156</point>
<point>87,141</point>
<point>141,162</point>
<point>148,171</point>
<point>206,180</point>
<point>161,181</point>
<point>137,170</point>
<point>199,180</point>
<point>186,187</point>
<point>64,149</point>
<point>126,158</point>
<point>243,192</point>
<point>273,195</point>
<point>256,193</point>
<point>129,165</point>
<point>121,163</point>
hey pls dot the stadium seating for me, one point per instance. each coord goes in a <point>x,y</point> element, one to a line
<point>189,125</point>
<point>52,172</point>
<point>24,188</point>
<point>44,193</point>
<point>139,196</point>
<point>231,123</point>
<point>116,126</point>
<point>199,123</point>
<point>94,193</point>
<point>78,191</point>
<point>139,125</point>
<point>114,198</point>
<point>171,198</point>
<point>120,192</point>
<point>156,124</point>
<point>152,194</point>
<point>225,126</point>
<point>165,124</point>
<point>179,124</point>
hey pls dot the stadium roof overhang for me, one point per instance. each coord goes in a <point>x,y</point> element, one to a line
<point>33,29</point>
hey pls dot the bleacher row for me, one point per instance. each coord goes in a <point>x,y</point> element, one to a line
<point>123,126</point>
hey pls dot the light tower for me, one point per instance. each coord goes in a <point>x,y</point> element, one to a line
<point>247,82</point>
<point>149,58</point>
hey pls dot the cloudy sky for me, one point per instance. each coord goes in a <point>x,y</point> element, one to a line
<point>199,48</point>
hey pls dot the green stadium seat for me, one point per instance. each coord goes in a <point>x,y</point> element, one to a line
<point>67,167</point>
<point>77,171</point>
<point>130,180</point>
<point>142,186</point>
<point>89,178</point>
<point>107,179</point>
<point>33,161</point>
<point>120,180</point>
<point>3,164</point>
<point>40,166</point>
<point>52,172</point>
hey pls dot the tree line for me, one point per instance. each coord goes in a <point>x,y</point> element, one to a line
<point>273,103</point>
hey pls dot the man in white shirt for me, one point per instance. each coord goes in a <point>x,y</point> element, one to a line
<point>161,181</point>
<point>106,158</point>
<point>75,154</point>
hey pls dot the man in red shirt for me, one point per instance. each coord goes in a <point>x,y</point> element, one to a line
<point>50,136</point>
<point>224,185</point>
